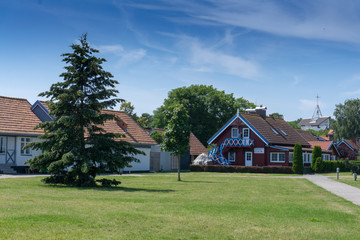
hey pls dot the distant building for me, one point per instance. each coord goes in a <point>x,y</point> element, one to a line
<point>317,122</point>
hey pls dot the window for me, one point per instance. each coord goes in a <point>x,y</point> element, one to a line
<point>306,157</point>
<point>246,132</point>
<point>291,155</point>
<point>274,131</point>
<point>2,145</point>
<point>24,142</point>
<point>234,132</point>
<point>231,156</point>
<point>277,157</point>
<point>333,157</point>
<point>283,132</point>
<point>326,156</point>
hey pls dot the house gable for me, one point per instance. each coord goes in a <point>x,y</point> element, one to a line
<point>230,122</point>
<point>41,111</point>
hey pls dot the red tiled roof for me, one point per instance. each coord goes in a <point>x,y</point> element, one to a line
<point>16,117</point>
<point>323,144</point>
<point>127,126</point>
<point>196,147</point>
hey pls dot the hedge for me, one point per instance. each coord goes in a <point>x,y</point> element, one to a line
<point>330,166</point>
<point>240,169</point>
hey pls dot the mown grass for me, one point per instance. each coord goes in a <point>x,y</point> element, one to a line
<point>157,206</point>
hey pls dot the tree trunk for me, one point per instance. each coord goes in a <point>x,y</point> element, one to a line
<point>179,168</point>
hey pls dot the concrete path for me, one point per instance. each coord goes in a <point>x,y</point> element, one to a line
<point>21,176</point>
<point>343,190</point>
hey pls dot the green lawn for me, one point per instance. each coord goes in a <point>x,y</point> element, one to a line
<point>156,206</point>
<point>347,178</point>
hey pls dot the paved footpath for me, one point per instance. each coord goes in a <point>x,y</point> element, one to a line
<point>343,190</point>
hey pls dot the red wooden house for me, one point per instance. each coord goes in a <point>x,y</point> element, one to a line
<point>252,139</point>
<point>348,148</point>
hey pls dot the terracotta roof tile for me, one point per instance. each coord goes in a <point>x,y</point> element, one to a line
<point>127,126</point>
<point>16,117</point>
<point>196,147</point>
<point>323,144</point>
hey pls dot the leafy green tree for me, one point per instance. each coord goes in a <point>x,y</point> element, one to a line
<point>295,124</point>
<point>145,120</point>
<point>276,115</point>
<point>347,116</point>
<point>128,108</point>
<point>323,132</point>
<point>316,153</point>
<point>177,132</point>
<point>208,108</point>
<point>157,137</point>
<point>298,164</point>
<point>75,147</point>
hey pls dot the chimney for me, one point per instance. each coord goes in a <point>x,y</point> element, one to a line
<point>261,111</point>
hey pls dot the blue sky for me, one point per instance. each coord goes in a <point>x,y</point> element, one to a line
<point>280,54</point>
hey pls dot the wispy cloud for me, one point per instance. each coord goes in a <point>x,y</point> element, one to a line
<point>352,93</point>
<point>213,60</point>
<point>323,19</point>
<point>296,81</point>
<point>125,57</point>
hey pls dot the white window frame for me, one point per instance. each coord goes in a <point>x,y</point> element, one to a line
<point>334,157</point>
<point>232,156</point>
<point>2,145</point>
<point>236,130</point>
<point>248,132</point>
<point>24,142</point>
<point>291,156</point>
<point>325,156</point>
<point>277,154</point>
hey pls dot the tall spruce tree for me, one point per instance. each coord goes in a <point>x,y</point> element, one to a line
<point>316,153</point>
<point>298,165</point>
<point>75,146</point>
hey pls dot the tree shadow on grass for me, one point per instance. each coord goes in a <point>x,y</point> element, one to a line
<point>200,181</point>
<point>108,189</point>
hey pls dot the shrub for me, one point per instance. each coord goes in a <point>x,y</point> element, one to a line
<point>316,153</point>
<point>330,166</point>
<point>240,169</point>
<point>318,166</point>
<point>298,165</point>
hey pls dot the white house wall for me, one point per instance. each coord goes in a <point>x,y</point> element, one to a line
<point>144,164</point>
<point>11,145</point>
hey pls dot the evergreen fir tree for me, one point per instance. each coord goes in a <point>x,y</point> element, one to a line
<point>298,165</point>
<point>316,153</point>
<point>75,146</point>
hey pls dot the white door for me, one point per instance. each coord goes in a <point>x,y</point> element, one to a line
<point>248,158</point>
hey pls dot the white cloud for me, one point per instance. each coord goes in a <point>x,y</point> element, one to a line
<point>352,93</point>
<point>125,57</point>
<point>205,59</point>
<point>115,49</point>
<point>324,19</point>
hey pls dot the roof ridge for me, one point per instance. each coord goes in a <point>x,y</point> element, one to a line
<point>17,98</point>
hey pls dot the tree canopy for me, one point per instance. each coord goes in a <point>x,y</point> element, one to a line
<point>208,108</point>
<point>145,120</point>
<point>276,115</point>
<point>75,146</point>
<point>347,119</point>
<point>177,132</point>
